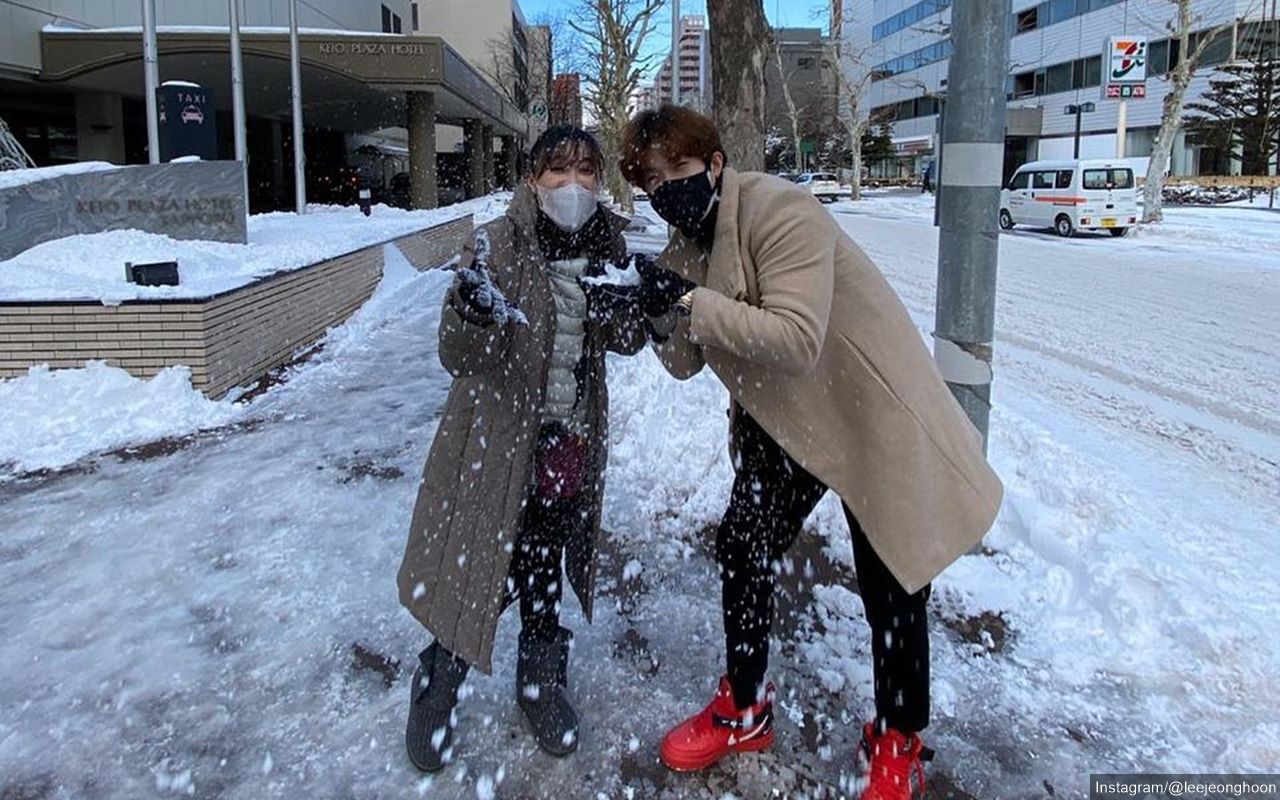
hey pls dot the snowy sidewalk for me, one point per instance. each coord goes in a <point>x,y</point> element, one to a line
<point>186,623</point>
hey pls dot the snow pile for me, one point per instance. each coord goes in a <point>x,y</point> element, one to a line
<point>1193,194</point>
<point>53,418</point>
<point>17,177</point>
<point>668,454</point>
<point>91,266</point>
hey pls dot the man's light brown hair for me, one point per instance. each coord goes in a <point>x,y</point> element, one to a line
<point>674,131</point>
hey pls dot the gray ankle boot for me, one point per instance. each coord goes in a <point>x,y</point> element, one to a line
<point>432,695</point>
<point>540,690</point>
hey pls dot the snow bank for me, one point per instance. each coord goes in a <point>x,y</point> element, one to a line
<point>17,177</point>
<point>91,266</point>
<point>53,418</point>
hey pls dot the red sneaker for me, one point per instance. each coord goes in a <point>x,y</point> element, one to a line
<point>892,759</point>
<point>718,730</point>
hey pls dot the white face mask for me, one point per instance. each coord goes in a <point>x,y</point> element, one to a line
<point>570,206</point>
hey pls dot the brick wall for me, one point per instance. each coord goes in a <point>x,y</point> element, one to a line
<point>228,340</point>
<point>433,247</point>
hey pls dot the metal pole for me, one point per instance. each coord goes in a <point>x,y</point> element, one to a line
<point>675,52</point>
<point>237,98</point>
<point>1079,114</point>
<point>151,77</point>
<point>937,164</point>
<point>970,179</point>
<point>1122,128</point>
<point>295,96</point>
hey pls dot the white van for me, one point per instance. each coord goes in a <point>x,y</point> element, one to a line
<point>1071,195</point>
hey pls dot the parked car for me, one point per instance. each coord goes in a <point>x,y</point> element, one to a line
<point>824,185</point>
<point>1068,196</point>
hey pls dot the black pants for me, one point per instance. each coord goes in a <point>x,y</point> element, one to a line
<point>772,497</point>
<point>536,576</point>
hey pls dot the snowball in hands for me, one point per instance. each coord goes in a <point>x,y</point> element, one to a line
<point>613,276</point>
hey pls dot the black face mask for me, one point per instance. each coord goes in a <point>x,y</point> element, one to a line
<point>689,204</point>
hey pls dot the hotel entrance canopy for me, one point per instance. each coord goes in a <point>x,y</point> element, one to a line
<point>351,82</point>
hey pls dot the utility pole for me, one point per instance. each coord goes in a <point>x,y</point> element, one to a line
<point>151,78</point>
<point>970,179</point>
<point>675,52</point>
<point>237,98</point>
<point>295,97</point>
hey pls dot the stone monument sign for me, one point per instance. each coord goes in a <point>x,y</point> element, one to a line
<point>184,200</point>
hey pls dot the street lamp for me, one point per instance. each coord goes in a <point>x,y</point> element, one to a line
<point>1079,110</point>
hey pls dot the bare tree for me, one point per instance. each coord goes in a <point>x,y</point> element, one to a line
<point>853,79</point>
<point>1181,28</point>
<point>566,47</point>
<point>613,34</point>
<point>500,65</point>
<point>793,112</point>
<point>739,48</point>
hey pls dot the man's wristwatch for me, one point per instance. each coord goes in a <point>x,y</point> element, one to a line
<point>684,306</point>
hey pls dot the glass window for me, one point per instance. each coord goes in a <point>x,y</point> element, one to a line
<point>1020,180</point>
<point>396,24</point>
<point>1061,10</point>
<point>1058,78</point>
<point>413,11</point>
<point>1093,71</point>
<point>1120,178</point>
<point>1039,82</point>
<point>1024,85</point>
<point>386,20</point>
<point>1027,20</point>
<point>1259,40</point>
<point>1218,51</point>
<point>1158,57</point>
<point>1044,180</point>
<point>1138,144</point>
<point>1064,179</point>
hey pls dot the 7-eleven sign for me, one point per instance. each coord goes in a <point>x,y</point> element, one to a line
<point>1126,59</point>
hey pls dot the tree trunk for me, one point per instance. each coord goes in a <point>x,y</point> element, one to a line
<point>612,123</point>
<point>1161,152</point>
<point>739,41</point>
<point>855,147</point>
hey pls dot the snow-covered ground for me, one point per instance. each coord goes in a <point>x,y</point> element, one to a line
<point>184,619</point>
<point>91,266</point>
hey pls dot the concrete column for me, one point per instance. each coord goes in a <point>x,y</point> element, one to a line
<point>490,179</point>
<point>511,156</point>
<point>473,148</point>
<point>99,127</point>
<point>423,181</point>
<point>277,162</point>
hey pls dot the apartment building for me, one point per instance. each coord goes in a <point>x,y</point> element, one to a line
<point>1055,60</point>
<point>695,66</point>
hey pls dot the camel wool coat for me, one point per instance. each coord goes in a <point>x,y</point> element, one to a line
<point>810,339</point>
